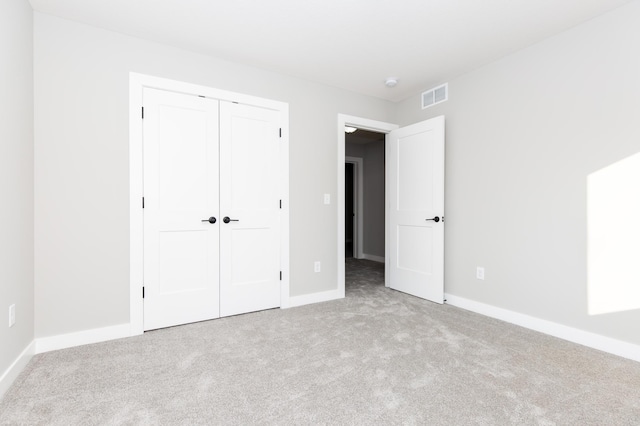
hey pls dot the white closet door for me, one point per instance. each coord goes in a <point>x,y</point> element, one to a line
<point>181,252</point>
<point>415,197</point>
<point>249,198</point>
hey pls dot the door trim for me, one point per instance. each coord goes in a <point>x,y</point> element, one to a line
<point>360,123</point>
<point>358,205</point>
<point>137,82</point>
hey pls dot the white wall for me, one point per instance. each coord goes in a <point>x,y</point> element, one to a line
<point>16,178</point>
<point>81,165</point>
<point>523,135</point>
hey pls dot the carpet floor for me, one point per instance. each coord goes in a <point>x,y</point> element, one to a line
<point>377,357</point>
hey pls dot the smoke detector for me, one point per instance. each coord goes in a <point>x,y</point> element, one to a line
<point>391,82</point>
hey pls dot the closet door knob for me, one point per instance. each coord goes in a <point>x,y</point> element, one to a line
<point>210,220</point>
<point>435,219</point>
<point>227,220</point>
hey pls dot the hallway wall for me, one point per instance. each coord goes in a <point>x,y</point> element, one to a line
<point>372,154</point>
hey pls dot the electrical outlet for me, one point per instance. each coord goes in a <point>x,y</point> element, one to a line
<point>316,266</point>
<point>12,315</point>
<point>480,273</point>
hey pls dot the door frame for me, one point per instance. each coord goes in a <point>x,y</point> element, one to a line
<point>137,82</point>
<point>365,124</point>
<point>358,205</point>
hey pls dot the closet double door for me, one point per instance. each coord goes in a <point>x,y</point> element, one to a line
<point>211,208</point>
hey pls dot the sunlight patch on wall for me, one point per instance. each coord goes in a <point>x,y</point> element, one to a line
<point>613,237</point>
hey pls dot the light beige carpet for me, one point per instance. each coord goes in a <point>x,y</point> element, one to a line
<point>378,357</point>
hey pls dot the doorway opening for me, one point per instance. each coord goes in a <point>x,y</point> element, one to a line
<point>353,150</point>
<point>414,208</point>
<point>365,195</point>
<point>364,208</point>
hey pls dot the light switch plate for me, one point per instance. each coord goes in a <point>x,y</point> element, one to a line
<point>12,315</point>
<point>327,198</point>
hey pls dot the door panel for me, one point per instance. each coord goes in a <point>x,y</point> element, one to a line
<point>182,270</point>
<point>415,193</point>
<point>415,177</point>
<point>249,176</point>
<point>181,253</point>
<point>414,250</point>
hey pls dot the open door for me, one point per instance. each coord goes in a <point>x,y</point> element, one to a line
<point>415,209</point>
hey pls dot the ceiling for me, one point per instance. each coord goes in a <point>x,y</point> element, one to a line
<point>349,44</point>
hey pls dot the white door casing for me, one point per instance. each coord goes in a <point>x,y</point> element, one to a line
<point>181,258</point>
<point>249,197</point>
<point>361,123</point>
<point>415,209</point>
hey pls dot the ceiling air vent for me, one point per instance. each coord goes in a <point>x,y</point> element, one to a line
<point>435,95</point>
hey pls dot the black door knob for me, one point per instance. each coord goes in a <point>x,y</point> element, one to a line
<point>435,219</point>
<point>227,219</point>
<point>210,220</point>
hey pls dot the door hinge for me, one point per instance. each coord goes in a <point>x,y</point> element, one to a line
<point>281,132</point>
<point>143,292</point>
<point>143,113</point>
<point>280,275</point>
<point>143,202</point>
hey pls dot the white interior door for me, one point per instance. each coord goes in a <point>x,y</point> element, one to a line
<point>415,206</point>
<point>250,199</point>
<point>181,252</point>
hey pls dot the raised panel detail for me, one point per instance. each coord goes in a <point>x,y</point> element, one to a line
<point>253,163</point>
<point>183,258</point>
<point>252,256</point>
<point>182,168</point>
<point>415,249</point>
<point>414,162</point>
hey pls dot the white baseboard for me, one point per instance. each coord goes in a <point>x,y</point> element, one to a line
<point>307,299</point>
<point>63,341</point>
<point>9,376</point>
<point>373,257</point>
<point>581,337</point>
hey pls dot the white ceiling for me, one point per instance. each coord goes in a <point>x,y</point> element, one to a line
<point>350,44</point>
